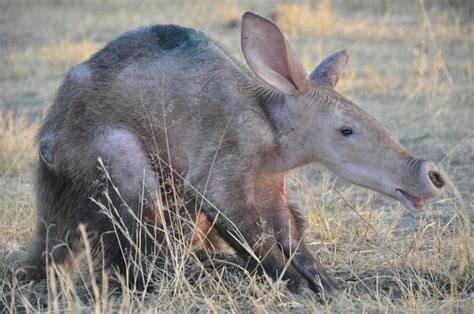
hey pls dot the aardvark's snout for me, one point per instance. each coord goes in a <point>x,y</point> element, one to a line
<point>436,178</point>
<point>428,184</point>
<point>432,178</point>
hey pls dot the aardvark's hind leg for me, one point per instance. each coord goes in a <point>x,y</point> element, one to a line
<point>131,190</point>
<point>68,195</point>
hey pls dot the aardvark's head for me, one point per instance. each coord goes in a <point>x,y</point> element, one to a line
<point>317,124</point>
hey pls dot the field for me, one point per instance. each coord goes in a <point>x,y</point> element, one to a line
<point>411,66</point>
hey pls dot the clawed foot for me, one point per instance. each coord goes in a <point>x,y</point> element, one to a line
<point>325,292</point>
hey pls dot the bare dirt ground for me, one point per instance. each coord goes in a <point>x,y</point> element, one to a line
<point>411,66</point>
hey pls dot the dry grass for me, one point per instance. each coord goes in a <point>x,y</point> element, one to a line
<point>66,52</point>
<point>412,69</point>
<point>17,153</point>
<point>228,13</point>
<point>306,18</point>
<point>60,55</point>
<point>320,19</point>
<point>380,263</point>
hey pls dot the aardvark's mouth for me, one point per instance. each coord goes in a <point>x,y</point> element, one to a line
<point>412,203</point>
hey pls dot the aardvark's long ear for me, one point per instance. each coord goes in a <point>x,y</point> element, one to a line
<point>328,72</point>
<point>270,56</point>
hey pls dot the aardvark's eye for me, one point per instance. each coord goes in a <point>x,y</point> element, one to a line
<point>346,131</point>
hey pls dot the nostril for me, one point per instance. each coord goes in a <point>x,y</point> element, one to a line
<point>436,179</point>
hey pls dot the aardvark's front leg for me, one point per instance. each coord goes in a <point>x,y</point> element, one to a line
<point>230,204</point>
<point>287,225</point>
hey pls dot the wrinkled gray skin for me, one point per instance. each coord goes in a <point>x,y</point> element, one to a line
<point>233,135</point>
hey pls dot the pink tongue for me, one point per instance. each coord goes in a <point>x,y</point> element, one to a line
<point>419,203</point>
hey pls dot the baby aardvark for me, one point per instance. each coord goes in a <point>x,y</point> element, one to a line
<point>168,93</point>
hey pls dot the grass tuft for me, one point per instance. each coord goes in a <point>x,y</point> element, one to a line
<point>306,18</point>
<point>67,52</point>
<point>321,19</point>
<point>17,151</point>
<point>37,61</point>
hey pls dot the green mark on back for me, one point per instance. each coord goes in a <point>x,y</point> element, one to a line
<point>170,37</point>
